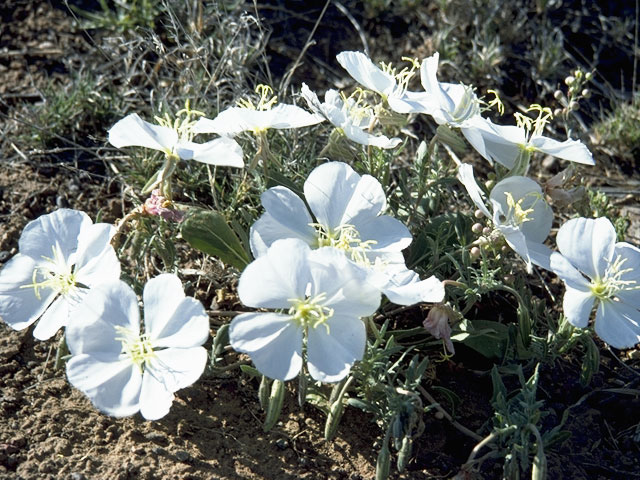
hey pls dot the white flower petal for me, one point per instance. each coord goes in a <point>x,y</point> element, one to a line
<point>113,387</point>
<point>19,304</point>
<point>577,306</point>
<point>91,325</point>
<point>187,327</point>
<point>363,70</point>
<point>272,340</point>
<point>223,152</point>
<point>358,135</point>
<point>631,256</point>
<point>333,347</point>
<point>343,282</point>
<point>406,288</point>
<point>286,217</point>
<point>61,228</point>
<point>161,297</point>
<point>618,324</point>
<point>53,319</point>
<point>388,233</point>
<point>588,244</point>
<point>465,175</point>
<point>96,260</point>
<point>412,102</point>
<point>178,367</point>
<point>539,254</point>
<point>283,269</point>
<point>133,131</point>
<point>292,116</point>
<point>562,267</point>
<point>155,398</point>
<point>337,195</point>
<point>572,150</point>
<point>502,143</point>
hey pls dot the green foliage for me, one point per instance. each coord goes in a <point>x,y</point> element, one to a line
<point>122,15</point>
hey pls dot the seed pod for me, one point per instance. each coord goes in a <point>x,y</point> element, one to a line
<point>275,405</point>
<point>220,341</point>
<point>383,463</point>
<point>302,388</point>
<point>333,419</point>
<point>263,392</point>
<point>404,454</point>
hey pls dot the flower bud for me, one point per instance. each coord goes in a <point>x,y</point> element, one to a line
<point>486,231</point>
<point>478,214</point>
<point>573,105</point>
<point>558,94</point>
<point>586,93</point>
<point>437,324</point>
<point>333,419</point>
<point>383,463</point>
<point>557,112</point>
<point>588,76</point>
<point>476,228</point>
<point>275,405</point>
<point>569,80</point>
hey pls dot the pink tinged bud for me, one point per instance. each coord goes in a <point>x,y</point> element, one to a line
<point>437,324</point>
<point>158,205</point>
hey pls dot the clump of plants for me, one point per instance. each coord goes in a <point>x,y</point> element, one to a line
<point>328,224</point>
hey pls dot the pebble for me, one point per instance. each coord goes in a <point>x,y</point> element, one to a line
<point>156,437</point>
<point>182,456</point>
<point>4,256</point>
<point>281,443</point>
<point>77,476</point>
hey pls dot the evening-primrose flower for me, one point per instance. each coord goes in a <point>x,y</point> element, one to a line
<point>598,271</point>
<point>321,297</point>
<point>257,117</point>
<point>347,209</point>
<point>518,211</point>
<point>348,117</point>
<point>62,255</point>
<point>174,138</point>
<point>123,369</point>
<point>507,144</point>
<point>387,82</point>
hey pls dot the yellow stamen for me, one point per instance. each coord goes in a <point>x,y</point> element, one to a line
<point>58,275</point>
<point>137,347</point>
<point>309,312</point>
<point>345,237</point>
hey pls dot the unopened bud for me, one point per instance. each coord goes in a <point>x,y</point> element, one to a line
<point>489,184</point>
<point>504,249</point>
<point>574,105</point>
<point>586,93</point>
<point>486,231</point>
<point>557,112</point>
<point>588,76</point>
<point>558,94</point>
<point>476,228</point>
<point>474,252</point>
<point>478,214</point>
<point>275,405</point>
<point>569,80</point>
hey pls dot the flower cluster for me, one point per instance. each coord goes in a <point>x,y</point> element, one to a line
<point>322,262</point>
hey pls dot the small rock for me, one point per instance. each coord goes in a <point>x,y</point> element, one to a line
<point>4,256</point>
<point>77,476</point>
<point>182,456</point>
<point>156,437</point>
<point>158,451</point>
<point>281,443</point>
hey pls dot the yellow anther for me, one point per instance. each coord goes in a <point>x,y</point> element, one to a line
<point>138,347</point>
<point>606,287</point>
<point>309,311</point>
<point>516,213</point>
<point>345,237</point>
<point>58,275</point>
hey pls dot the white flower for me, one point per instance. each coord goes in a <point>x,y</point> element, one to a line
<point>257,118</point>
<point>506,143</point>
<point>597,270</point>
<point>348,117</point>
<point>62,256</point>
<point>123,370</point>
<point>390,85</point>
<point>175,142</point>
<point>520,213</point>
<point>323,296</point>
<point>449,103</point>
<point>347,210</point>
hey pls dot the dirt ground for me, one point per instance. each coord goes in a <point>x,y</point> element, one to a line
<point>48,430</point>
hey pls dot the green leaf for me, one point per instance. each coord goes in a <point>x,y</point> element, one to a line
<point>208,231</point>
<point>486,337</point>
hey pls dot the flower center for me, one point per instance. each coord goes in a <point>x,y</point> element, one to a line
<point>137,347</point>
<point>182,123</point>
<point>533,126</point>
<point>467,107</point>
<point>57,274</point>
<point>356,108</point>
<point>266,102</point>
<point>606,287</point>
<point>402,76</point>
<point>309,311</point>
<point>516,214</point>
<point>344,237</point>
